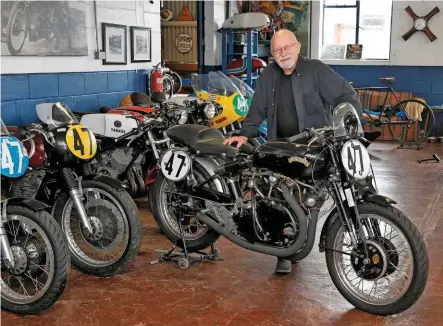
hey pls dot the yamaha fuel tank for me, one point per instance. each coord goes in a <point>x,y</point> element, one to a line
<point>291,160</point>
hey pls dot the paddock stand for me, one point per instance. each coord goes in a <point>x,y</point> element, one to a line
<point>184,258</point>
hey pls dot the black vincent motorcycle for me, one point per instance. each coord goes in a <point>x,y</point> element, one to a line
<point>96,213</point>
<point>269,199</point>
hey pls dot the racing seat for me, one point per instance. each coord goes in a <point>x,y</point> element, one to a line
<point>388,80</point>
<point>203,140</point>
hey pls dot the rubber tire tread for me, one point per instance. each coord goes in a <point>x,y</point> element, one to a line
<point>134,224</point>
<point>419,253</point>
<point>61,262</point>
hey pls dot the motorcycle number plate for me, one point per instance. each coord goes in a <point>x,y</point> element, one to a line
<point>14,156</point>
<point>355,159</point>
<point>81,142</point>
<point>175,164</point>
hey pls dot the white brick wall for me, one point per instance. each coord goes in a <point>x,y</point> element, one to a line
<point>129,13</point>
<point>214,18</point>
<point>417,51</point>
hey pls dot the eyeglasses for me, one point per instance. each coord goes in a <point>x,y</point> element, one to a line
<point>286,48</point>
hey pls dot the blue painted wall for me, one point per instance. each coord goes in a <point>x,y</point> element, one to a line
<point>422,81</point>
<point>80,91</point>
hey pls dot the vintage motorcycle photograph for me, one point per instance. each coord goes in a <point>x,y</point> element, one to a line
<point>269,199</point>
<point>43,28</point>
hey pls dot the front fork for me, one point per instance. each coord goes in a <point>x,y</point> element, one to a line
<point>6,251</point>
<point>76,194</point>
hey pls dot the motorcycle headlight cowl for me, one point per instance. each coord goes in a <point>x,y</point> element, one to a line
<point>183,117</point>
<point>209,110</point>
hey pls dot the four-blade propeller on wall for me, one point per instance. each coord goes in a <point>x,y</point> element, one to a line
<point>421,24</point>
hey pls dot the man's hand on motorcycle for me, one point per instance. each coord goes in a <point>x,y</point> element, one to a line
<point>240,140</point>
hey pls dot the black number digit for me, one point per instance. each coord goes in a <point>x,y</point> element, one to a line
<point>360,152</point>
<point>78,145</point>
<point>181,164</point>
<point>351,162</point>
<point>90,140</point>
<point>168,166</point>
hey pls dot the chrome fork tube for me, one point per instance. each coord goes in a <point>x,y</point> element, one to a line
<point>75,195</point>
<point>6,248</point>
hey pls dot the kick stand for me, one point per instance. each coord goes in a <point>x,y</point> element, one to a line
<point>183,258</point>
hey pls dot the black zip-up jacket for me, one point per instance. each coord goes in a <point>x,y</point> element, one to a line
<point>317,90</point>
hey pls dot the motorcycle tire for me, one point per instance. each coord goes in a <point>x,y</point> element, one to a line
<point>60,251</point>
<point>419,253</point>
<point>177,82</point>
<point>132,215</point>
<point>159,211</point>
<point>14,51</point>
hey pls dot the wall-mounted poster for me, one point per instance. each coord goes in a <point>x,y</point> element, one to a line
<point>43,28</point>
<point>114,44</point>
<point>292,15</point>
<point>140,44</point>
<point>354,51</point>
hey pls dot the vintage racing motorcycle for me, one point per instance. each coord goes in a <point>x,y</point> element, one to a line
<point>128,142</point>
<point>98,216</point>
<point>269,199</point>
<point>35,256</point>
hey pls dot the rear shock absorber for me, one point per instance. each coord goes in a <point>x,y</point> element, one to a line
<point>74,192</point>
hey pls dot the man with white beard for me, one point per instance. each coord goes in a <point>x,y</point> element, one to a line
<point>293,93</point>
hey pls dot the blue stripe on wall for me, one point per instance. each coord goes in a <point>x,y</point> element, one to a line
<point>426,82</point>
<point>85,92</point>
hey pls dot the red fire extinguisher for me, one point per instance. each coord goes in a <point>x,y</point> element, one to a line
<point>157,78</point>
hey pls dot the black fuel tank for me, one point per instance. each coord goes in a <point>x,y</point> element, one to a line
<point>291,160</point>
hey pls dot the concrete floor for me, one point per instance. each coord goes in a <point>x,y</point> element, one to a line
<point>242,289</point>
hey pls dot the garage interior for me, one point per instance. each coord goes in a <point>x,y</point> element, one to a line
<point>98,62</point>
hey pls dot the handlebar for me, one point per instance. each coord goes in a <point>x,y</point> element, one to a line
<point>140,129</point>
<point>128,134</point>
<point>305,135</point>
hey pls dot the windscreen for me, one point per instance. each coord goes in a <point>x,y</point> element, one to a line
<point>4,130</point>
<point>345,120</point>
<point>215,83</point>
<point>55,114</point>
<point>244,88</point>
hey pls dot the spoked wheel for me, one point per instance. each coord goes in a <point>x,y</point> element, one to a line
<point>177,82</point>
<point>115,221</point>
<point>411,122</point>
<point>391,275</point>
<point>168,86</point>
<point>41,262</point>
<point>17,29</point>
<point>167,206</point>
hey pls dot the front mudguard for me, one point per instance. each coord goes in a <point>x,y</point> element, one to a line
<point>30,203</point>
<point>113,182</point>
<point>333,215</point>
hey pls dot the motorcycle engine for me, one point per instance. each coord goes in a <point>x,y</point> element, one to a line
<point>274,221</point>
<point>115,162</point>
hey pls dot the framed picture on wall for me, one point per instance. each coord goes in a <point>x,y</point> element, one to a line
<point>114,44</point>
<point>140,44</point>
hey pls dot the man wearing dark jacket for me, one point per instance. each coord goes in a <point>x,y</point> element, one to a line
<point>293,93</point>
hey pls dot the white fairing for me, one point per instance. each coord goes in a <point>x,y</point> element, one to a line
<point>250,20</point>
<point>109,125</point>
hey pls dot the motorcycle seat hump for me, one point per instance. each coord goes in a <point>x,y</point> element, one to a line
<point>214,146</point>
<point>201,140</point>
